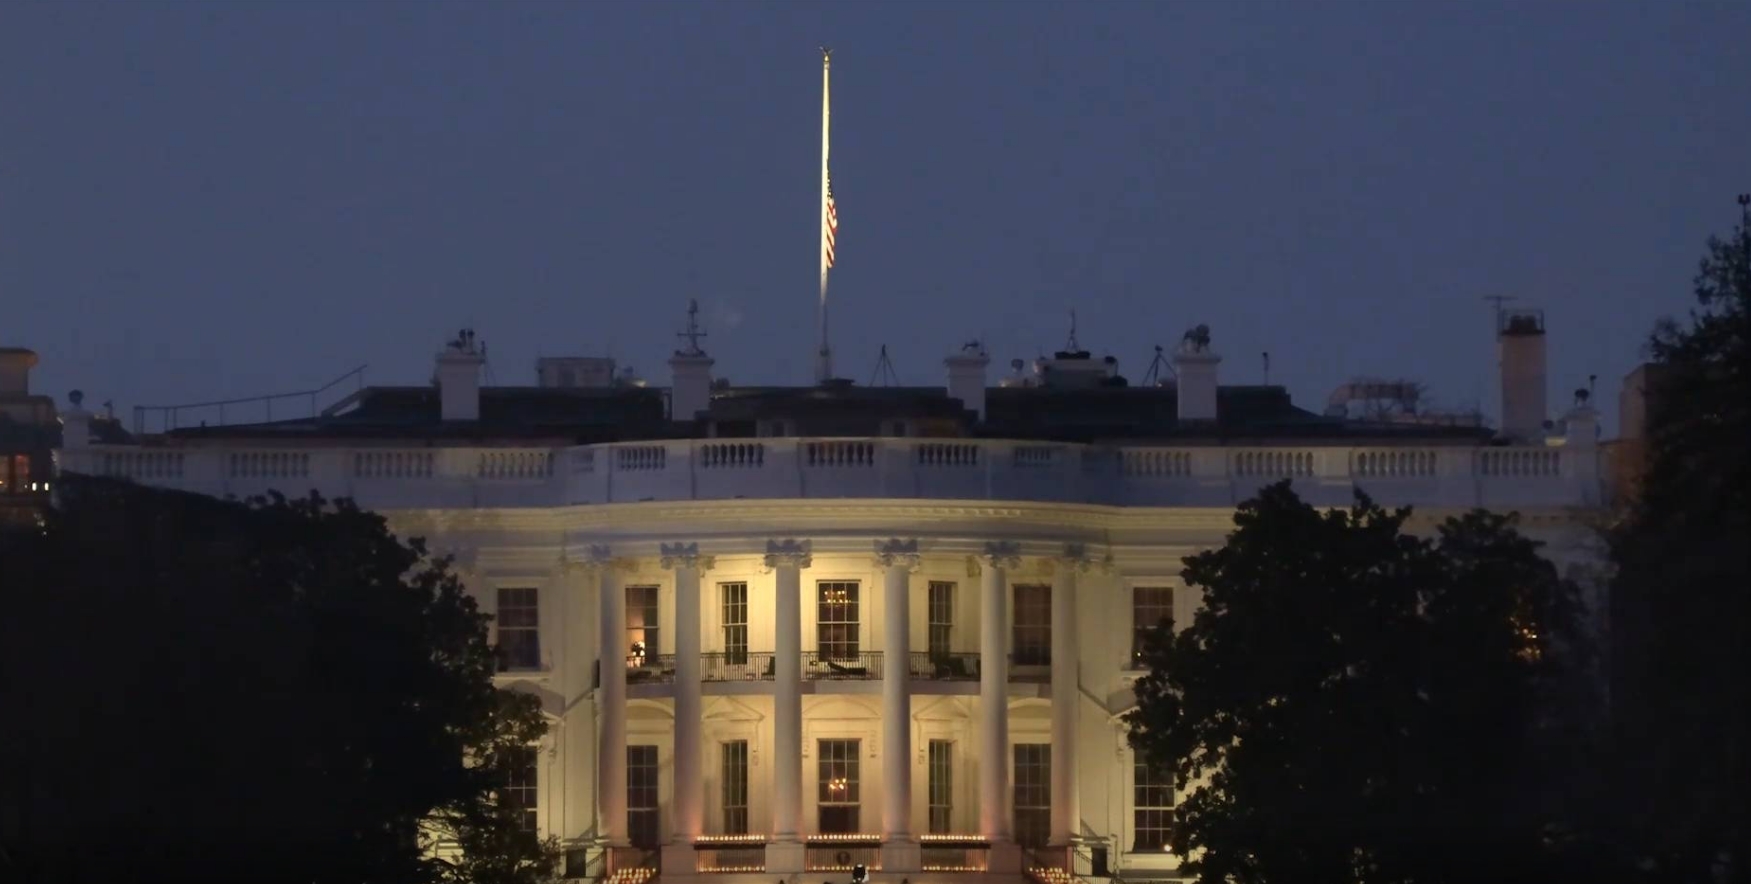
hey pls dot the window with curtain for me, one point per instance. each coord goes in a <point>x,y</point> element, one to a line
<point>836,614</point>
<point>1152,805</point>
<point>519,628</point>
<point>1151,606</point>
<point>642,821</point>
<point>735,787</point>
<point>941,604</point>
<point>641,625</point>
<point>1033,625</point>
<point>838,793</point>
<point>734,601</point>
<point>1033,794</point>
<point>941,785</point>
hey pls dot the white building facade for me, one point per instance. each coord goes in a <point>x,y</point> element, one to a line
<point>783,653</point>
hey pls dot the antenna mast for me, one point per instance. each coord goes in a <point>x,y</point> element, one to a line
<point>693,332</point>
<point>885,376</point>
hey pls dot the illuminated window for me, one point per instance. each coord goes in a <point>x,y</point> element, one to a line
<point>838,793</point>
<point>735,787</point>
<point>941,786</point>
<point>520,786</point>
<point>519,622</point>
<point>942,617</point>
<point>735,622</point>
<point>1152,805</point>
<point>14,473</point>
<point>1033,625</point>
<point>1033,794</point>
<point>836,620</point>
<point>1151,606</point>
<point>641,625</point>
<point>641,796</point>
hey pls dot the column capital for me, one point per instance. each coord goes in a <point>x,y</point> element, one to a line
<point>1001,554</point>
<point>674,556</point>
<point>1076,557</point>
<point>788,554</point>
<point>897,553</point>
<point>597,559</point>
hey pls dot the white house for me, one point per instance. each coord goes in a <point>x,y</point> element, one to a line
<point>788,630</point>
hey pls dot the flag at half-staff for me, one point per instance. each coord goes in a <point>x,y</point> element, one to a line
<point>829,221</point>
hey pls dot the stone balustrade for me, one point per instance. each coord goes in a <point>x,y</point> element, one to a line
<point>790,468</point>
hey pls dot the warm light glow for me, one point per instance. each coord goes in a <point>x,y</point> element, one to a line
<point>841,839</point>
<point>730,839</point>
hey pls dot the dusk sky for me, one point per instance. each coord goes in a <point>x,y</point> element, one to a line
<point>207,200</point>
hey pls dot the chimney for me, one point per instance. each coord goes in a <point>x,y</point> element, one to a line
<point>1195,364</point>
<point>690,372</point>
<point>75,423</point>
<point>15,366</point>
<point>966,377</point>
<point>1520,349</point>
<point>458,378</point>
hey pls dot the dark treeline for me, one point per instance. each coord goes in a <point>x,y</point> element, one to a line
<point>276,691</point>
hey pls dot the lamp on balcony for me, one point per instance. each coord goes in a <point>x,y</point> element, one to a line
<point>638,653</point>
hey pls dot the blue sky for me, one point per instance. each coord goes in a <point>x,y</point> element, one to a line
<point>204,200</point>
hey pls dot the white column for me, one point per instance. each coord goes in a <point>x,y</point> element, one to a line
<point>900,850</point>
<point>610,700</point>
<point>994,758</point>
<point>689,795</point>
<point>1066,700</point>
<point>784,853</point>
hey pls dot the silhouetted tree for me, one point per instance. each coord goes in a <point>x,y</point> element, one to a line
<point>1354,703</point>
<point>277,690</point>
<point>1681,597</point>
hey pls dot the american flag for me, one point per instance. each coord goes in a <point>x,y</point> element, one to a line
<point>832,221</point>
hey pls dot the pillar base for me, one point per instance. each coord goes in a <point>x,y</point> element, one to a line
<point>784,857</point>
<point>1004,858</point>
<point>902,856</point>
<point>680,859</point>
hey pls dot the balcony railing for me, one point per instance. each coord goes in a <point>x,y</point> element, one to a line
<point>927,666</point>
<point>650,669</point>
<point>736,666</point>
<point>1460,475</point>
<point>859,666</point>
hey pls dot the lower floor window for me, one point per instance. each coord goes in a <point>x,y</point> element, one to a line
<point>520,787</point>
<point>641,796</point>
<point>1033,794</point>
<point>942,786</point>
<point>838,793</point>
<point>735,787</point>
<point>1152,805</point>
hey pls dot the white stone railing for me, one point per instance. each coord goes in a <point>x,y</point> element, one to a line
<point>904,468</point>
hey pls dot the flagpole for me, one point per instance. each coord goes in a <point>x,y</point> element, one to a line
<point>824,359</point>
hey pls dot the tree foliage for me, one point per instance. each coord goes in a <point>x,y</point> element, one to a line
<point>278,690</point>
<point>1354,703</point>
<point>1681,597</point>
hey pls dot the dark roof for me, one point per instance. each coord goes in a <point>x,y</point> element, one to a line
<point>576,415</point>
<point>1138,413</point>
<point>592,415</point>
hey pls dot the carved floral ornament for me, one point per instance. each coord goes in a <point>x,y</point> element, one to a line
<point>788,554</point>
<point>684,555</point>
<point>597,559</point>
<point>894,552</point>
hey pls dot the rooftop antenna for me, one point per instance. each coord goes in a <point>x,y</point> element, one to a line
<point>829,222</point>
<point>1160,369</point>
<point>693,333</point>
<point>1267,357</point>
<point>884,371</point>
<point>1072,345</point>
<point>1498,301</point>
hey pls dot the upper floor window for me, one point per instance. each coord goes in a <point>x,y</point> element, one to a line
<point>836,619</point>
<point>734,600</point>
<point>1033,625</point>
<point>1151,606</point>
<point>519,622</point>
<point>14,473</point>
<point>641,625</point>
<point>942,618</point>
